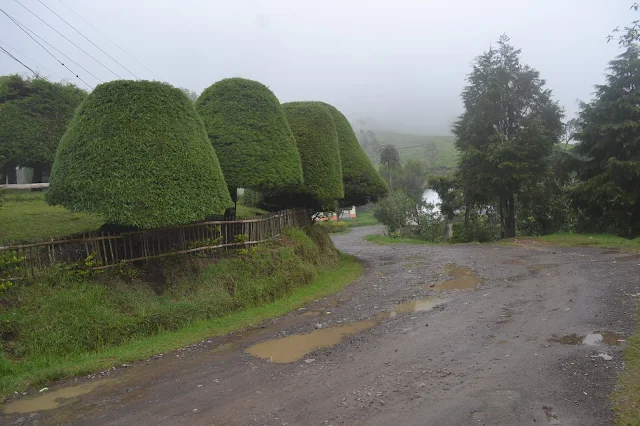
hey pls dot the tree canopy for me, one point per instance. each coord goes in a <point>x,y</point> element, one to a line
<point>317,140</point>
<point>34,114</point>
<point>137,152</point>
<point>508,130</point>
<point>362,183</point>
<point>249,131</point>
<point>608,195</point>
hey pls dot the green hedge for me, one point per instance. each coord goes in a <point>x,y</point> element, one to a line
<point>317,140</point>
<point>333,226</point>
<point>249,131</point>
<point>362,183</point>
<point>137,153</point>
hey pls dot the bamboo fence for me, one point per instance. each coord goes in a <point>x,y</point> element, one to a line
<point>106,250</point>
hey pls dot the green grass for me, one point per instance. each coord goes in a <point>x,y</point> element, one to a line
<point>362,219</point>
<point>94,323</point>
<point>584,240</point>
<point>387,240</point>
<point>412,146</point>
<point>627,396</point>
<point>25,216</point>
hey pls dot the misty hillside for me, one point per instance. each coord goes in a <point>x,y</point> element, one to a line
<point>438,152</point>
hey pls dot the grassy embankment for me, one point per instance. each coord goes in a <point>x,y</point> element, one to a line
<point>582,240</point>
<point>25,216</point>
<point>66,324</point>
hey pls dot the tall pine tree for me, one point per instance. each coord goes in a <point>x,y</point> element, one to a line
<point>507,132</point>
<point>608,196</point>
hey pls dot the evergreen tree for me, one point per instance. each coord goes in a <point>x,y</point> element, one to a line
<point>249,131</point>
<point>362,183</point>
<point>136,152</point>
<point>34,114</point>
<point>507,132</point>
<point>608,196</point>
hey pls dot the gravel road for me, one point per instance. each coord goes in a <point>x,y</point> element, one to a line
<point>538,341</point>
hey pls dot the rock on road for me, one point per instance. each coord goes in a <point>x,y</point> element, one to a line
<point>497,354</point>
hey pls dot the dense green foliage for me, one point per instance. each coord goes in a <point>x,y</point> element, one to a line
<point>362,183</point>
<point>608,151</point>
<point>395,211</point>
<point>317,140</point>
<point>507,133</point>
<point>249,131</point>
<point>34,114</point>
<point>137,153</point>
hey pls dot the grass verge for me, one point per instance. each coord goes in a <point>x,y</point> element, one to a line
<point>627,396</point>
<point>582,240</point>
<point>387,240</point>
<point>362,219</point>
<point>92,324</point>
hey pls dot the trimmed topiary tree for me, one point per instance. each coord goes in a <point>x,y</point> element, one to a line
<point>317,141</point>
<point>362,183</point>
<point>137,153</point>
<point>249,131</point>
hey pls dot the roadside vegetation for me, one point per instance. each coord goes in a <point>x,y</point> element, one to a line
<point>94,321</point>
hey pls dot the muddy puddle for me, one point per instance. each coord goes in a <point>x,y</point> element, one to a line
<point>461,278</point>
<point>295,347</point>
<point>591,339</point>
<point>411,306</point>
<point>49,400</point>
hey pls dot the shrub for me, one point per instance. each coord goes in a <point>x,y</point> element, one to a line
<point>362,183</point>
<point>249,131</point>
<point>317,142</point>
<point>395,211</point>
<point>332,226</point>
<point>137,153</point>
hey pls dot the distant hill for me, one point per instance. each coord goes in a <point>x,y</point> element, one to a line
<point>420,147</point>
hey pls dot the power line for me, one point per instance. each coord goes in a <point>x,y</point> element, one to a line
<point>112,42</point>
<point>85,37</point>
<point>47,50</point>
<point>66,38</point>
<point>24,27</point>
<point>31,59</point>
<point>6,52</point>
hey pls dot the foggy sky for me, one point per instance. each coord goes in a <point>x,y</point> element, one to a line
<point>402,62</point>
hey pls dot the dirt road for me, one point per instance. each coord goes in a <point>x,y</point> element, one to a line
<point>491,335</point>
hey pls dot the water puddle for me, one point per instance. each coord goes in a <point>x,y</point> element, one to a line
<point>51,399</point>
<point>411,306</point>
<point>461,278</point>
<point>294,347</point>
<point>591,339</point>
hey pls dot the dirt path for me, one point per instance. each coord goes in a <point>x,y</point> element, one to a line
<point>494,355</point>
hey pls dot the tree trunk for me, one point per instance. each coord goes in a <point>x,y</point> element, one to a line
<point>9,174</point>
<point>467,212</point>
<point>38,171</point>
<point>509,221</point>
<point>390,184</point>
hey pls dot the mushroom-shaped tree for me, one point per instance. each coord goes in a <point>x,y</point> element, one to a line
<point>249,131</point>
<point>317,141</point>
<point>362,183</point>
<point>137,153</point>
